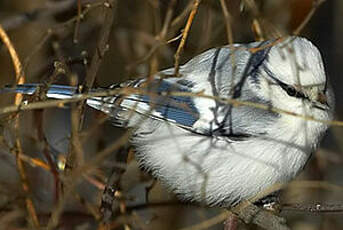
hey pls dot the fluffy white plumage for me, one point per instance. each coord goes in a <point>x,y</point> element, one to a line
<point>209,151</point>
<point>219,170</point>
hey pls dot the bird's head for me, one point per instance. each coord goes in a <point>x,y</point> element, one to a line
<point>293,79</point>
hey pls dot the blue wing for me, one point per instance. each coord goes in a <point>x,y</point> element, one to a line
<point>156,100</point>
<point>178,109</point>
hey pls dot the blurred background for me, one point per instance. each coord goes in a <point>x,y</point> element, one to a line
<point>49,34</point>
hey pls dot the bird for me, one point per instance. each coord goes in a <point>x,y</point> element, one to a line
<point>236,121</point>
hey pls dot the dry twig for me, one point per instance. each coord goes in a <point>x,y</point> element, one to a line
<point>102,44</point>
<point>315,6</point>
<point>227,17</point>
<point>184,36</point>
<point>128,91</point>
<point>18,150</point>
<point>314,208</point>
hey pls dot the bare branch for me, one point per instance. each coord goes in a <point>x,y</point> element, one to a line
<point>313,208</point>
<point>184,36</point>
<point>127,91</point>
<point>102,44</point>
<point>18,150</point>
<point>315,6</point>
<point>50,9</point>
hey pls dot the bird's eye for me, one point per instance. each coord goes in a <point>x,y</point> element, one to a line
<point>291,91</point>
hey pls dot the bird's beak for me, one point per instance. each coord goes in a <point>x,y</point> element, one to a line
<point>322,99</point>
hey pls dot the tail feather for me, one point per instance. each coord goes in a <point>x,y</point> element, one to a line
<point>127,110</point>
<point>52,91</point>
<point>104,104</point>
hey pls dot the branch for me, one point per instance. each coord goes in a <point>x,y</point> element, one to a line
<point>252,214</point>
<point>316,4</point>
<point>75,155</point>
<point>141,91</point>
<point>228,20</point>
<point>50,9</point>
<point>184,36</point>
<point>18,150</point>
<point>102,44</point>
<point>313,208</point>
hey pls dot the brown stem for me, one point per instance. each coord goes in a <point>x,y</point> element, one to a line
<point>18,150</point>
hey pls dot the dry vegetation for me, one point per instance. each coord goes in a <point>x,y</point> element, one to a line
<point>56,157</point>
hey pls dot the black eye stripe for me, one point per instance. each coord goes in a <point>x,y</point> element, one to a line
<point>291,91</point>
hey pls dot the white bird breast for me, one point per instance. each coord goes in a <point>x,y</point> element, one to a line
<point>216,171</point>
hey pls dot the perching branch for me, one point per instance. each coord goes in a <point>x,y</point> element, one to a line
<point>313,208</point>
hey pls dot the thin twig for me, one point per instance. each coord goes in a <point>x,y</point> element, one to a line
<point>77,23</point>
<point>227,17</point>
<point>102,47</point>
<point>58,209</point>
<point>38,118</point>
<point>128,91</point>
<point>35,162</point>
<point>154,48</point>
<point>51,8</point>
<point>177,21</point>
<point>74,157</point>
<point>15,59</point>
<point>18,150</point>
<point>316,4</point>
<point>161,37</point>
<point>102,44</point>
<point>261,27</point>
<point>53,30</point>
<point>230,41</point>
<point>167,20</point>
<point>184,36</point>
<point>37,48</point>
